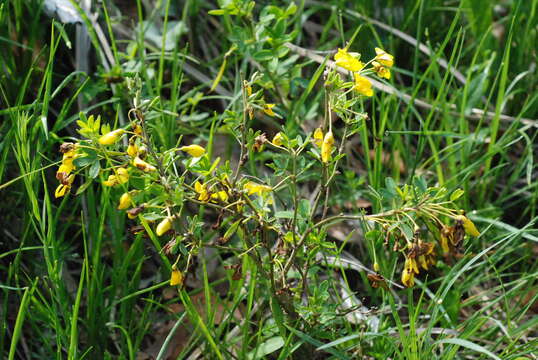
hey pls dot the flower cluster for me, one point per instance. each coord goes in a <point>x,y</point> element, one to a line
<point>63,175</point>
<point>381,65</point>
<point>422,254</point>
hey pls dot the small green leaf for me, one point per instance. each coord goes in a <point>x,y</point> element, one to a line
<point>84,186</point>
<point>456,194</point>
<point>390,185</point>
<point>94,169</point>
<point>284,214</point>
<point>269,346</point>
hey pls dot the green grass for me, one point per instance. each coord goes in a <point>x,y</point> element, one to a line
<point>76,283</point>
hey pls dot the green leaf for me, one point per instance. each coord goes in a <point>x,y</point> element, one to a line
<point>317,343</point>
<point>84,186</point>
<point>94,169</point>
<point>269,346</point>
<point>390,185</point>
<point>456,194</point>
<point>469,345</point>
<point>287,214</point>
<point>217,12</point>
<point>84,161</point>
<point>278,314</point>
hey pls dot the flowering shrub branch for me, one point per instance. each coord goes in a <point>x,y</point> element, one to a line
<point>272,221</point>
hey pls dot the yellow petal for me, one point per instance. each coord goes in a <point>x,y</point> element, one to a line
<point>176,278</point>
<point>111,137</point>
<point>164,226</point>
<point>318,136</point>
<point>61,190</point>
<point>220,195</point>
<point>66,168</point>
<point>381,70</point>
<point>193,150</point>
<point>111,181</point>
<point>125,201</point>
<point>468,225</point>
<point>327,147</point>
<point>142,165</point>
<point>363,85</point>
<point>137,129</point>
<point>422,261</point>
<point>123,175</point>
<point>347,61</point>
<point>408,277</point>
<point>383,57</point>
<point>132,150</point>
<point>254,188</point>
<point>268,109</point>
<point>277,140</point>
<point>198,187</point>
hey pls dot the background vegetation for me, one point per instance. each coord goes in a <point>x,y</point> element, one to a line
<point>459,112</point>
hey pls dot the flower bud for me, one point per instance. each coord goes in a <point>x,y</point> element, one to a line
<point>278,139</point>
<point>384,58</point>
<point>164,226</point>
<point>193,150</point>
<point>318,137</point>
<point>327,147</point>
<point>111,137</point>
<point>142,165</point>
<point>176,278</point>
<point>125,201</point>
<point>132,149</point>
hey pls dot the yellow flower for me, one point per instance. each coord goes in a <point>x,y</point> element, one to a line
<point>164,226</point>
<point>347,61</point>
<point>318,137</point>
<point>137,129</point>
<point>468,225</point>
<point>66,167</point>
<point>202,191</point>
<point>142,165</point>
<point>363,85</point>
<point>111,137</point>
<point>268,109</point>
<point>121,177</point>
<point>220,195</point>
<point>327,147</point>
<point>384,58</point>
<point>446,234</point>
<point>381,70</point>
<point>132,149</point>
<point>176,277</point>
<point>254,188</point>
<point>67,163</point>
<point>65,186</point>
<point>408,276</point>
<point>125,201</point>
<point>193,150</point>
<point>411,264</point>
<point>248,87</point>
<point>277,140</point>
